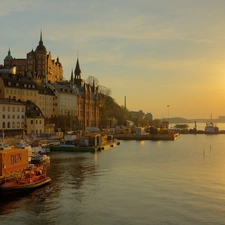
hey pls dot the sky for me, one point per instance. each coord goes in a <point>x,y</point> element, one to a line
<point>166,56</point>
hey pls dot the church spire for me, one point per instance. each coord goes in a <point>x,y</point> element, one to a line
<point>71,78</point>
<point>41,47</point>
<point>77,70</point>
<point>41,37</point>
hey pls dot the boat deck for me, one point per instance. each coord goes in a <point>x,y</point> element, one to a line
<point>84,149</point>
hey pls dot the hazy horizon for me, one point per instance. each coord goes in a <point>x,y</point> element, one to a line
<point>156,53</point>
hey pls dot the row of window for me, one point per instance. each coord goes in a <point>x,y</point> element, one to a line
<point>18,125</point>
<point>13,116</point>
<point>24,85</point>
<point>12,125</point>
<point>36,121</point>
<point>13,108</point>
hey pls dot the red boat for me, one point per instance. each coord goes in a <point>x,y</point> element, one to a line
<point>31,178</point>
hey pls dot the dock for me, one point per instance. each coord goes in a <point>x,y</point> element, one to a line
<point>166,137</point>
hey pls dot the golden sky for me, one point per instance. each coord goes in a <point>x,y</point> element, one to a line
<point>156,52</point>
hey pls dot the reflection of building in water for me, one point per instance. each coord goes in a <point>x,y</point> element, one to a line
<point>73,170</point>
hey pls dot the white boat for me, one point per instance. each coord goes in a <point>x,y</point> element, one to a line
<point>211,128</point>
<point>4,146</point>
<point>44,150</point>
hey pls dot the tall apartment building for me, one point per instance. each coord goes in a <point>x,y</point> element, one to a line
<point>38,64</point>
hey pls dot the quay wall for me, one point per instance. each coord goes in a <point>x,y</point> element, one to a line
<point>147,136</point>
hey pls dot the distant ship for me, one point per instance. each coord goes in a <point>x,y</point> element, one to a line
<point>181,126</point>
<point>210,128</point>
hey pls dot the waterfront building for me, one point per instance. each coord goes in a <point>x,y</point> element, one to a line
<point>24,88</point>
<point>65,105</point>
<point>20,117</point>
<point>87,100</point>
<point>34,119</point>
<point>39,64</point>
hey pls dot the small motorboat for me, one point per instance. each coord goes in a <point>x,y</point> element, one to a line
<point>44,150</point>
<point>31,178</point>
<point>40,158</point>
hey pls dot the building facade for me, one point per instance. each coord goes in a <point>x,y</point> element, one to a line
<point>20,117</point>
<point>39,64</point>
<point>24,88</point>
<point>87,100</point>
<point>39,79</point>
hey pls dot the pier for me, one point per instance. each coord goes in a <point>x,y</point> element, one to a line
<point>166,137</point>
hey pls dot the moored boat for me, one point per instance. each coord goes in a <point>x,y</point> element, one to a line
<point>88,143</point>
<point>39,158</point>
<point>31,178</point>
<point>211,128</point>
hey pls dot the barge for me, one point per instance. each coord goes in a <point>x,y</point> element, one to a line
<point>88,143</point>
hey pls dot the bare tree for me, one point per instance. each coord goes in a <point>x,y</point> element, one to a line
<point>104,90</point>
<point>92,79</point>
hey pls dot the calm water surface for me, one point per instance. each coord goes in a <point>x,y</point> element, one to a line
<point>138,182</point>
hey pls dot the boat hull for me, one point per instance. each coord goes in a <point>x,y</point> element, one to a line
<point>72,148</point>
<point>7,189</point>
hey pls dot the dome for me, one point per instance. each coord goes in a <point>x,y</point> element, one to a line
<point>9,55</point>
<point>40,47</point>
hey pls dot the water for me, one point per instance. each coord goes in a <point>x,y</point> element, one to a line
<point>137,182</point>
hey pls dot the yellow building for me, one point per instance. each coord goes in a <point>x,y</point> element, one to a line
<point>22,87</point>
<point>19,117</point>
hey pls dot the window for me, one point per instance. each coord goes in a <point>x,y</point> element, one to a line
<point>13,124</point>
<point>8,108</point>
<point>18,125</point>
<point>18,109</point>
<point>8,116</point>
<point>18,116</point>
<point>3,116</point>
<point>3,124</point>
<point>31,122</point>
<point>13,109</point>
<point>3,108</point>
<point>8,125</point>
